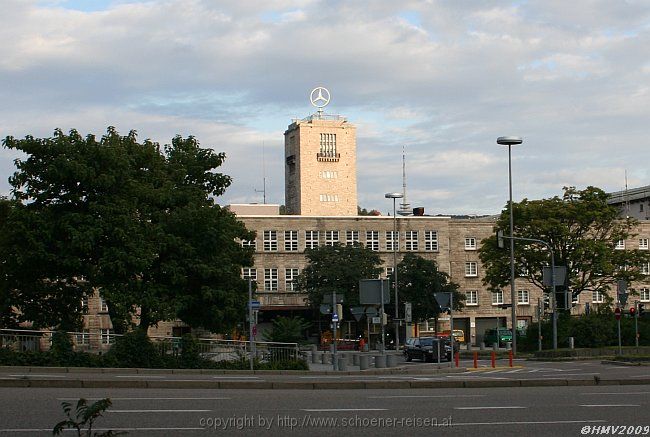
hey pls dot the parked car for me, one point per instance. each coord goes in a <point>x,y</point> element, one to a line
<point>503,336</point>
<point>426,349</point>
<point>459,335</point>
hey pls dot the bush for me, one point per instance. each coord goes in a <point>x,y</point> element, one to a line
<point>133,349</point>
<point>190,356</point>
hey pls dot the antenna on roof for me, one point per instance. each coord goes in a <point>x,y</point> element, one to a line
<point>404,207</point>
<point>263,190</point>
<point>627,199</point>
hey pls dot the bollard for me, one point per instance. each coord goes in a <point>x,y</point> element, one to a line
<point>391,360</point>
<point>355,359</point>
<point>316,357</point>
<point>363,362</point>
<point>495,346</point>
<point>510,357</point>
<point>380,361</point>
<point>509,346</point>
<point>571,343</point>
<point>494,359</point>
<point>482,346</point>
<point>469,347</point>
<point>314,348</point>
<point>476,360</point>
<point>457,358</point>
<point>343,364</point>
<point>325,359</point>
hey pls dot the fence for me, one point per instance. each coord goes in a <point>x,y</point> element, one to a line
<point>100,342</point>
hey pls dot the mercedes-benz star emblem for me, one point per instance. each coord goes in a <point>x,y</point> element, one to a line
<point>319,97</point>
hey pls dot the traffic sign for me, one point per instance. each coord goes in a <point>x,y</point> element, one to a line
<point>617,313</point>
<point>335,317</point>
<point>632,311</point>
<point>254,304</point>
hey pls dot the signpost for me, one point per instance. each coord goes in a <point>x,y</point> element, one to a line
<point>617,314</point>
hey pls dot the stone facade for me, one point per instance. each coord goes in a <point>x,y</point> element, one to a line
<point>320,167</point>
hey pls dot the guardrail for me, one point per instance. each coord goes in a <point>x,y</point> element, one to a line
<point>101,342</point>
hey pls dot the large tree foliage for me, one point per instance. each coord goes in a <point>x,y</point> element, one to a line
<point>418,280</point>
<point>133,219</point>
<point>583,231</point>
<point>337,268</point>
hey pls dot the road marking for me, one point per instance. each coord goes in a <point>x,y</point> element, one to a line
<point>490,408</point>
<point>331,410</point>
<point>610,405</point>
<point>640,376</point>
<point>157,411</point>
<point>145,399</point>
<point>140,376</point>
<point>236,377</point>
<point>426,396</point>
<point>39,376</point>
<point>514,371</point>
<point>553,422</point>
<point>321,376</point>
<point>619,393</point>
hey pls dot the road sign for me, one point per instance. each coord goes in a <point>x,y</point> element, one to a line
<point>617,313</point>
<point>408,312</point>
<point>335,317</point>
<point>255,304</point>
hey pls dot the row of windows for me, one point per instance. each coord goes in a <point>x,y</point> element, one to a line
<point>328,144</point>
<point>327,174</point>
<point>523,297</point>
<point>329,197</point>
<point>271,278</point>
<point>643,244</point>
<point>313,240</point>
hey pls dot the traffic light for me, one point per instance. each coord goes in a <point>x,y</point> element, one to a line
<point>500,243</point>
<point>547,301</point>
<point>641,310</point>
<point>632,311</point>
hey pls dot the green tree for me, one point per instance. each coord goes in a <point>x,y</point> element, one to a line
<point>581,228</point>
<point>418,279</point>
<point>337,268</point>
<point>287,330</point>
<point>133,219</point>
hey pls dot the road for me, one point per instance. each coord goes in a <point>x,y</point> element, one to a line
<point>533,411</point>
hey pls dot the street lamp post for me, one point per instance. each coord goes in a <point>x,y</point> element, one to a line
<point>511,141</point>
<point>395,196</point>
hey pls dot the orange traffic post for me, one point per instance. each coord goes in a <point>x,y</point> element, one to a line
<point>510,357</point>
<point>476,360</point>
<point>494,359</point>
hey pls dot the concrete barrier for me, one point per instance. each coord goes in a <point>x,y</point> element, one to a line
<point>355,359</point>
<point>482,347</point>
<point>380,361</point>
<point>391,360</point>
<point>343,364</point>
<point>316,357</point>
<point>326,358</point>
<point>363,362</point>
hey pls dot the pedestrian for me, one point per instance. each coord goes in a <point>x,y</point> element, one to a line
<point>362,344</point>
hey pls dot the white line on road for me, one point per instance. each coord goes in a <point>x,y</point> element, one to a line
<point>332,410</point>
<point>640,376</point>
<point>236,377</point>
<point>553,422</point>
<point>619,393</point>
<point>140,376</point>
<point>426,396</point>
<point>490,408</point>
<point>321,376</point>
<point>610,405</point>
<point>30,375</point>
<point>32,430</point>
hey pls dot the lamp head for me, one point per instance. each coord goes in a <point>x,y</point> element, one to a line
<point>393,195</point>
<point>509,141</point>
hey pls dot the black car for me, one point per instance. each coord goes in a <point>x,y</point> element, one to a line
<point>426,349</point>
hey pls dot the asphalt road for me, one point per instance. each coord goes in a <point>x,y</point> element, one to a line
<point>533,411</point>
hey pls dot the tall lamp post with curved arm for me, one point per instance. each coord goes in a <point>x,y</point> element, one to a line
<point>395,196</point>
<point>512,141</point>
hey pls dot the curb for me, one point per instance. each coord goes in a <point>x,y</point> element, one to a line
<point>317,385</point>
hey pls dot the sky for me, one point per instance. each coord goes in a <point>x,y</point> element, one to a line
<point>440,79</point>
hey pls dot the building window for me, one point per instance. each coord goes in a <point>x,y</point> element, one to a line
<point>392,241</point>
<point>411,240</point>
<point>83,338</point>
<point>643,243</point>
<point>290,276</point>
<point>270,241</point>
<point>497,297</point>
<point>471,297</point>
<point>249,243</point>
<point>328,145</point>
<point>311,239</point>
<point>431,241</point>
<point>291,241</point>
<point>331,237</point>
<point>645,269</point>
<point>372,240</point>
<point>471,268</point>
<point>470,243</point>
<point>106,336</point>
<point>597,296</point>
<point>328,174</point>
<point>620,245</point>
<point>103,306</point>
<point>389,271</point>
<point>84,304</point>
<point>644,295</point>
<point>523,297</point>
<point>249,273</point>
<point>329,197</point>
<point>351,237</point>
<point>270,279</point>
<point>575,298</point>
